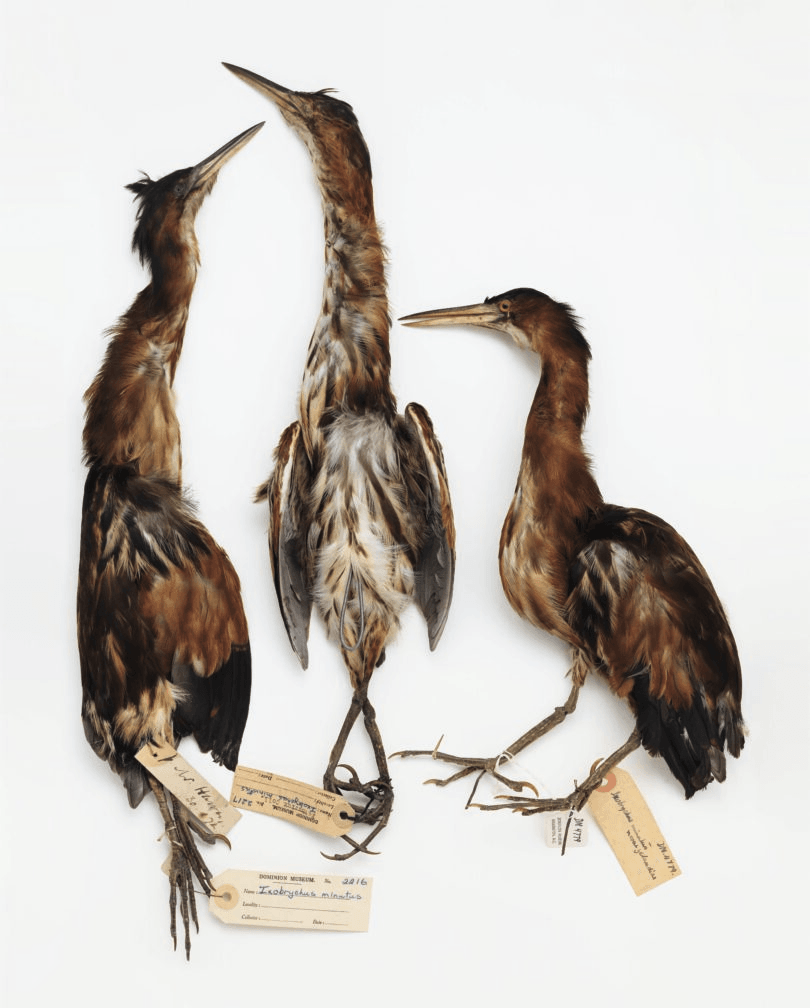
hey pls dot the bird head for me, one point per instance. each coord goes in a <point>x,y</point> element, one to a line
<point>532,319</point>
<point>327,126</point>
<point>168,206</point>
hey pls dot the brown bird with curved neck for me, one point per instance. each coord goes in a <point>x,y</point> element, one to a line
<point>163,640</point>
<point>618,584</point>
<point>360,514</point>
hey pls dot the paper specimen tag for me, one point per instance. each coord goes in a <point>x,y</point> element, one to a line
<point>286,900</point>
<point>284,798</point>
<point>190,787</point>
<point>632,832</point>
<point>556,823</point>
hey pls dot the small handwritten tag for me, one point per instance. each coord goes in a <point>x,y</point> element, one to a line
<point>285,900</point>
<point>191,788</point>
<point>284,798</point>
<point>556,824</point>
<point>632,832</point>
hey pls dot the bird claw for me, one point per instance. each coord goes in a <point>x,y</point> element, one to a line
<point>183,864</point>
<point>207,836</point>
<point>468,765</point>
<point>578,798</point>
<point>376,812</point>
<point>380,821</point>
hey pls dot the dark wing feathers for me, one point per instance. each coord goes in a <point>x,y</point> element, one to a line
<point>158,604</point>
<point>653,625</point>
<point>287,492</point>
<point>434,569</point>
<point>214,708</point>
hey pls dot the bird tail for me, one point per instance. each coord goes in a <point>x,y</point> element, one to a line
<point>730,724</point>
<point>690,739</point>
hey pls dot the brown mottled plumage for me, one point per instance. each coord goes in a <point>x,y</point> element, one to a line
<point>163,640</point>
<point>617,584</point>
<point>360,515</point>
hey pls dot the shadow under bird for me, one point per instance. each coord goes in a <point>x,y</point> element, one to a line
<point>619,585</point>
<point>163,640</point>
<point>360,515</point>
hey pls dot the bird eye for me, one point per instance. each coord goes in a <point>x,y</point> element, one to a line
<point>505,306</point>
<point>178,189</point>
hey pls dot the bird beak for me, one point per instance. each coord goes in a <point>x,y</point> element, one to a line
<point>206,170</point>
<point>486,315</point>
<point>283,97</point>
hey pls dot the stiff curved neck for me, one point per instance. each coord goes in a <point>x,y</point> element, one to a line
<point>130,418</point>
<point>349,361</point>
<point>555,470</point>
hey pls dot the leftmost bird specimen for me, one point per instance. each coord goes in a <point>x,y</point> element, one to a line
<point>163,640</point>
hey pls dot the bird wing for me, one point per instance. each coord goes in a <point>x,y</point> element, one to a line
<point>650,618</point>
<point>287,492</point>
<point>435,565</point>
<point>163,638</point>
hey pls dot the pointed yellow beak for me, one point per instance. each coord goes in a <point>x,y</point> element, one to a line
<point>487,315</point>
<point>283,97</point>
<point>209,167</point>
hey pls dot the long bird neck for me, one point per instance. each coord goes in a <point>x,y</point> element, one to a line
<point>349,361</point>
<point>131,419</point>
<point>555,475</point>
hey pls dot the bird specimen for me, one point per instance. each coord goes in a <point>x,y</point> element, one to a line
<point>163,640</point>
<point>360,514</point>
<point>617,584</point>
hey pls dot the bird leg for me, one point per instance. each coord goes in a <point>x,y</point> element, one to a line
<point>330,781</point>
<point>378,792</point>
<point>581,793</point>
<point>482,766</point>
<point>183,862</point>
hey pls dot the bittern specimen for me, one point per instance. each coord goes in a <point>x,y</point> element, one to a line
<point>618,584</point>
<point>163,640</point>
<point>360,515</point>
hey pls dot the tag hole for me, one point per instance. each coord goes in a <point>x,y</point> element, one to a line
<point>608,783</point>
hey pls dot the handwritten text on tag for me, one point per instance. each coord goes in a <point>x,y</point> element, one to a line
<point>632,832</point>
<point>190,787</point>
<point>285,900</point>
<point>284,798</point>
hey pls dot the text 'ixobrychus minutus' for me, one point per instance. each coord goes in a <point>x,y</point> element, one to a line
<point>618,584</point>
<point>163,640</point>
<point>360,514</point>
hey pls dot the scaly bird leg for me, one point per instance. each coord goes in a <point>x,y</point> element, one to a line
<point>379,792</point>
<point>581,793</point>
<point>183,862</point>
<point>330,781</point>
<point>482,766</point>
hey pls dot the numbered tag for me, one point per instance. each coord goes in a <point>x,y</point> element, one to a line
<point>558,822</point>
<point>632,832</point>
<point>287,900</point>
<point>297,802</point>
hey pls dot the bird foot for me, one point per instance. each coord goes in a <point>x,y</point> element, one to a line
<point>377,793</point>
<point>578,797</point>
<point>469,765</point>
<point>182,865</point>
<point>376,811</point>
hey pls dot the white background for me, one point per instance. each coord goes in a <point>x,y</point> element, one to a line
<point>644,162</point>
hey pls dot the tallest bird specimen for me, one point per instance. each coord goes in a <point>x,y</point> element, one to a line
<point>163,641</point>
<point>360,516</point>
<point>617,584</point>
